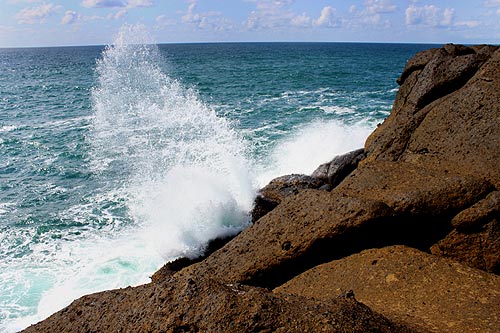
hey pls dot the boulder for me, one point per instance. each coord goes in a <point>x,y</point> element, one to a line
<point>279,188</point>
<point>304,230</point>
<point>187,303</point>
<point>428,79</point>
<point>336,170</point>
<point>409,286</point>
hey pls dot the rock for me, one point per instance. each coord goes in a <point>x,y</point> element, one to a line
<point>479,248</point>
<point>416,190</point>
<point>379,204</point>
<point>304,230</point>
<point>480,213</point>
<point>430,179</point>
<point>460,132</point>
<point>187,303</point>
<point>427,80</point>
<point>408,286</point>
<point>170,268</point>
<point>279,188</point>
<point>340,167</point>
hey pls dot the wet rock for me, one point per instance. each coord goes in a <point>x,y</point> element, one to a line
<point>406,285</point>
<point>340,167</point>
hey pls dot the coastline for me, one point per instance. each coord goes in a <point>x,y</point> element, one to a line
<point>426,190</point>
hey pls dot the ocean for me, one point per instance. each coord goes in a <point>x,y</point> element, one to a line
<point>116,159</point>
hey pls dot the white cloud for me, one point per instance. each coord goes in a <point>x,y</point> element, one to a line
<point>468,24</point>
<point>103,3</point>
<point>429,16</point>
<point>372,14</point>
<point>492,3</point>
<point>34,15</point>
<point>69,17</point>
<point>271,14</point>
<point>116,3</point>
<point>325,19</point>
<point>163,21</point>
<point>211,20</point>
<point>139,3</point>
<point>301,20</point>
<point>379,6</point>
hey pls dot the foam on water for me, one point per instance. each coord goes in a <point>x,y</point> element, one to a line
<point>176,168</point>
<point>187,170</point>
<point>167,174</point>
<point>311,145</point>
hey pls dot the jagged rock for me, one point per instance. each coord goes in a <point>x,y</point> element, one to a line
<point>279,188</point>
<point>406,285</point>
<point>428,78</point>
<point>379,204</point>
<point>304,230</point>
<point>336,170</point>
<point>189,303</point>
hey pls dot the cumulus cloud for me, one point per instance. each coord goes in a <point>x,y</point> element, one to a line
<point>372,13</point>
<point>69,17</point>
<point>116,3</point>
<point>326,18</point>
<point>429,16</point>
<point>34,15</point>
<point>206,20</point>
<point>269,14</point>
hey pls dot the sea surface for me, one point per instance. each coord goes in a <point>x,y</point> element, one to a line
<point>116,159</point>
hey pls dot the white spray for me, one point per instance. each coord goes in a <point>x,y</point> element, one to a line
<point>186,167</point>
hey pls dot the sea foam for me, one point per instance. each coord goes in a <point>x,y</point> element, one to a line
<point>178,170</point>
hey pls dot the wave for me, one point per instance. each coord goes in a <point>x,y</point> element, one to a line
<point>315,143</point>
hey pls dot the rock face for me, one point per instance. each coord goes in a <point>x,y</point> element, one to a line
<point>407,285</point>
<point>428,179</point>
<point>187,303</point>
<point>278,189</point>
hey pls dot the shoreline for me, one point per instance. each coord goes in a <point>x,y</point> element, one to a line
<point>423,197</point>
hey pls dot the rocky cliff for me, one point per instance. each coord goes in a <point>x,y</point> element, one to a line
<point>401,236</point>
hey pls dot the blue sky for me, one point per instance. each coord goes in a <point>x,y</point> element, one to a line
<point>89,22</point>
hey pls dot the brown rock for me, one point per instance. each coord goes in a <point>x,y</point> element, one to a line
<point>480,248</point>
<point>480,213</point>
<point>417,190</point>
<point>409,286</point>
<point>197,304</point>
<point>278,189</point>
<point>304,230</point>
<point>445,71</point>
<point>461,131</point>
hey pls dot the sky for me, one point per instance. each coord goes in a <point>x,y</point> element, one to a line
<point>31,23</point>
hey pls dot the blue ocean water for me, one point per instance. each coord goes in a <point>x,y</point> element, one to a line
<point>115,159</point>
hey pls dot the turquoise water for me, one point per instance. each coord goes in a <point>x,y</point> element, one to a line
<point>114,160</point>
